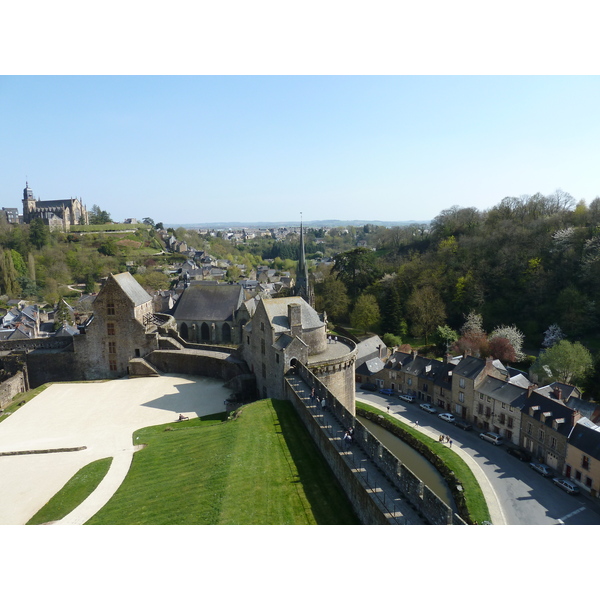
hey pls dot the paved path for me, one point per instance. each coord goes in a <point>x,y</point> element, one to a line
<point>496,513</point>
<point>102,417</point>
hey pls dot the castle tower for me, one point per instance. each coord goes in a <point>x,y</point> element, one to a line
<point>303,287</point>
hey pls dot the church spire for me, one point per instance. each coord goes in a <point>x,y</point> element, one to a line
<point>303,287</point>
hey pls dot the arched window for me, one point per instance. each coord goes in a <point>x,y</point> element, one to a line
<point>205,332</point>
<point>183,331</point>
<point>226,332</point>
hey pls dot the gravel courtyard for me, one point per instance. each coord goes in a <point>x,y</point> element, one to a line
<point>101,416</point>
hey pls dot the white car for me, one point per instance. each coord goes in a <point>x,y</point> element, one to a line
<point>407,398</point>
<point>447,417</point>
<point>428,408</point>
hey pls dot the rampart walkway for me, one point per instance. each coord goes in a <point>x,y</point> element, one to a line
<point>397,510</point>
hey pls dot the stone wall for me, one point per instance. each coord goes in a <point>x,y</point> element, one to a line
<point>11,387</point>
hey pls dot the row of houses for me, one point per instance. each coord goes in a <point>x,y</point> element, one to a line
<point>553,422</point>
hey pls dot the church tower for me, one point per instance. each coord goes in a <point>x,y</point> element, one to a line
<point>303,287</point>
<point>28,202</point>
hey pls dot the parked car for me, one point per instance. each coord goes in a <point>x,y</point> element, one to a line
<point>447,417</point>
<point>371,387</point>
<point>544,470</point>
<point>565,484</point>
<point>491,437</point>
<point>519,453</point>
<point>463,424</point>
<point>407,398</point>
<point>386,392</point>
<point>428,408</point>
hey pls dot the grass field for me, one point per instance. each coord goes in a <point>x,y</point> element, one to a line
<point>76,490</point>
<point>260,468</point>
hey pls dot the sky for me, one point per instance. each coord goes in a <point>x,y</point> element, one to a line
<point>191,149</point>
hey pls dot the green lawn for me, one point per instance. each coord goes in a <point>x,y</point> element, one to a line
<point>474,499</point>
<point>261,468</point>
<point>76,490</point>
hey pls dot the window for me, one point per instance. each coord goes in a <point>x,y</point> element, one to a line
<point>461,383</point>
<point>588,482</point>
<point>262,326</point>
<point>461,396</point>
<point>529,428</point>
<point>110,308</point>
<point>510,409</point>
<point>488,399</point>
<point>553,443</point>
<point>541,435</point>
<point>112,347</point>
<point>410,381</point>
<point>488,412</point>
<point>480,396</point>
<point>110,328</point>
<point>503,406</point>
<point>510,423</point>
<point>248,340</point>
<point>112,364</point>
<point>262,346</point>
<point>578,475</point>
<point>502,418</point>
<point>585,462</point>
<point>264,371</point>
<point>277,358</point>
<point>480,409</point>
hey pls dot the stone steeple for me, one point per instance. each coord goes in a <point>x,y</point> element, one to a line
<point>303,287</point>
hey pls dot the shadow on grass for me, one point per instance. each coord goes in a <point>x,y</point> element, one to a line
<point>328,502</point>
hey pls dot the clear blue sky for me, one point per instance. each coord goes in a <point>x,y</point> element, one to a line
<point>263,148</point>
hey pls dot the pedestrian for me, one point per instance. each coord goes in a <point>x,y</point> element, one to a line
<point>388,409</point>
<point>441,439</point>
<point>450,442</point>
<point>336,339</point>
<point>312,393</point>
<point>323,405</point>
<point>447,438</point>
<point>417,423</point>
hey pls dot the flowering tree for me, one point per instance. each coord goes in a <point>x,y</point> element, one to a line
<point>514,337</point>
<point>552,336</point>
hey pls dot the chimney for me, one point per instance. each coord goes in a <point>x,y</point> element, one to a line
<point>530,389</point>
<point>558,393</point>
<point>295,318</point>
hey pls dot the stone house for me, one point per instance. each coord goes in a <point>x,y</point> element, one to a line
<point>582,463</point>
<point>467,375</point>
<point>546,424</point>
<point>122,327</point>
<point>498,405</point>
<point>208,312</point>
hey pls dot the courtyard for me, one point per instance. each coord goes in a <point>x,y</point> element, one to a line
<point>101,416</point>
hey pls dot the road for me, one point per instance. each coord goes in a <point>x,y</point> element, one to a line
<point>526,497</point>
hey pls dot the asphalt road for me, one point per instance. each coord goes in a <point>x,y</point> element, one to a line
<point>526,497</point>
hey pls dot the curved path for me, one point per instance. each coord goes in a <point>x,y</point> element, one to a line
<point>99,415</point>
<point>496,513</point>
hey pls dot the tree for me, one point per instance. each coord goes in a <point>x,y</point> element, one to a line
<point>356,268</point>
<point>426,311</point>
<point>108,247</point>
<point>502,349</point>
<point>333,298</point>
<point>514,337</point>
<point>564,362</point>
<point>98,216</point>
<point>365,314</point>
<point>63,314</point>
<point>391,340</point>
<point>552,336</point>
<point>148,221</point>
<point>446,336</point>
<point>39,234</point>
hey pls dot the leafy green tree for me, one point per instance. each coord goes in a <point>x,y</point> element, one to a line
<point>333,299</point>
<point>98,216</point>
<point>391,319</point>
<point>108,247</point>
<point>365,314</point>
<point>39,233</point>
<point>356,268</point>
<point>391,340</point>
<point>148,221</point>
<point>426,311</point>
<point>445,337</point>
<point>565,362</point>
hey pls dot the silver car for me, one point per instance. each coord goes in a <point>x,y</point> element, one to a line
<point>446,417</point>
<point>428,408</point>
<point>566,485</point>
<point>543,470</point>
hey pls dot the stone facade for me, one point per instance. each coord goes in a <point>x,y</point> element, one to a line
<point>122,327</point>
<point>287,331</point>
<point>56,214</point>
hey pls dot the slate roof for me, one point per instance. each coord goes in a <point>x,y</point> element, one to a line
<point>586,439</point>
<point>369,348</point>
<point>277,313</point>
<point>370,367</point>
<point>556,409</point>
<point>200,302</point>
<point>503,391</point>
<point>132,289</point>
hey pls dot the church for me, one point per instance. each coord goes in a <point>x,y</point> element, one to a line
<point>57,214</point>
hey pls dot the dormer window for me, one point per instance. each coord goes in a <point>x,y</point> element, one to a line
<point>533,409</point>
